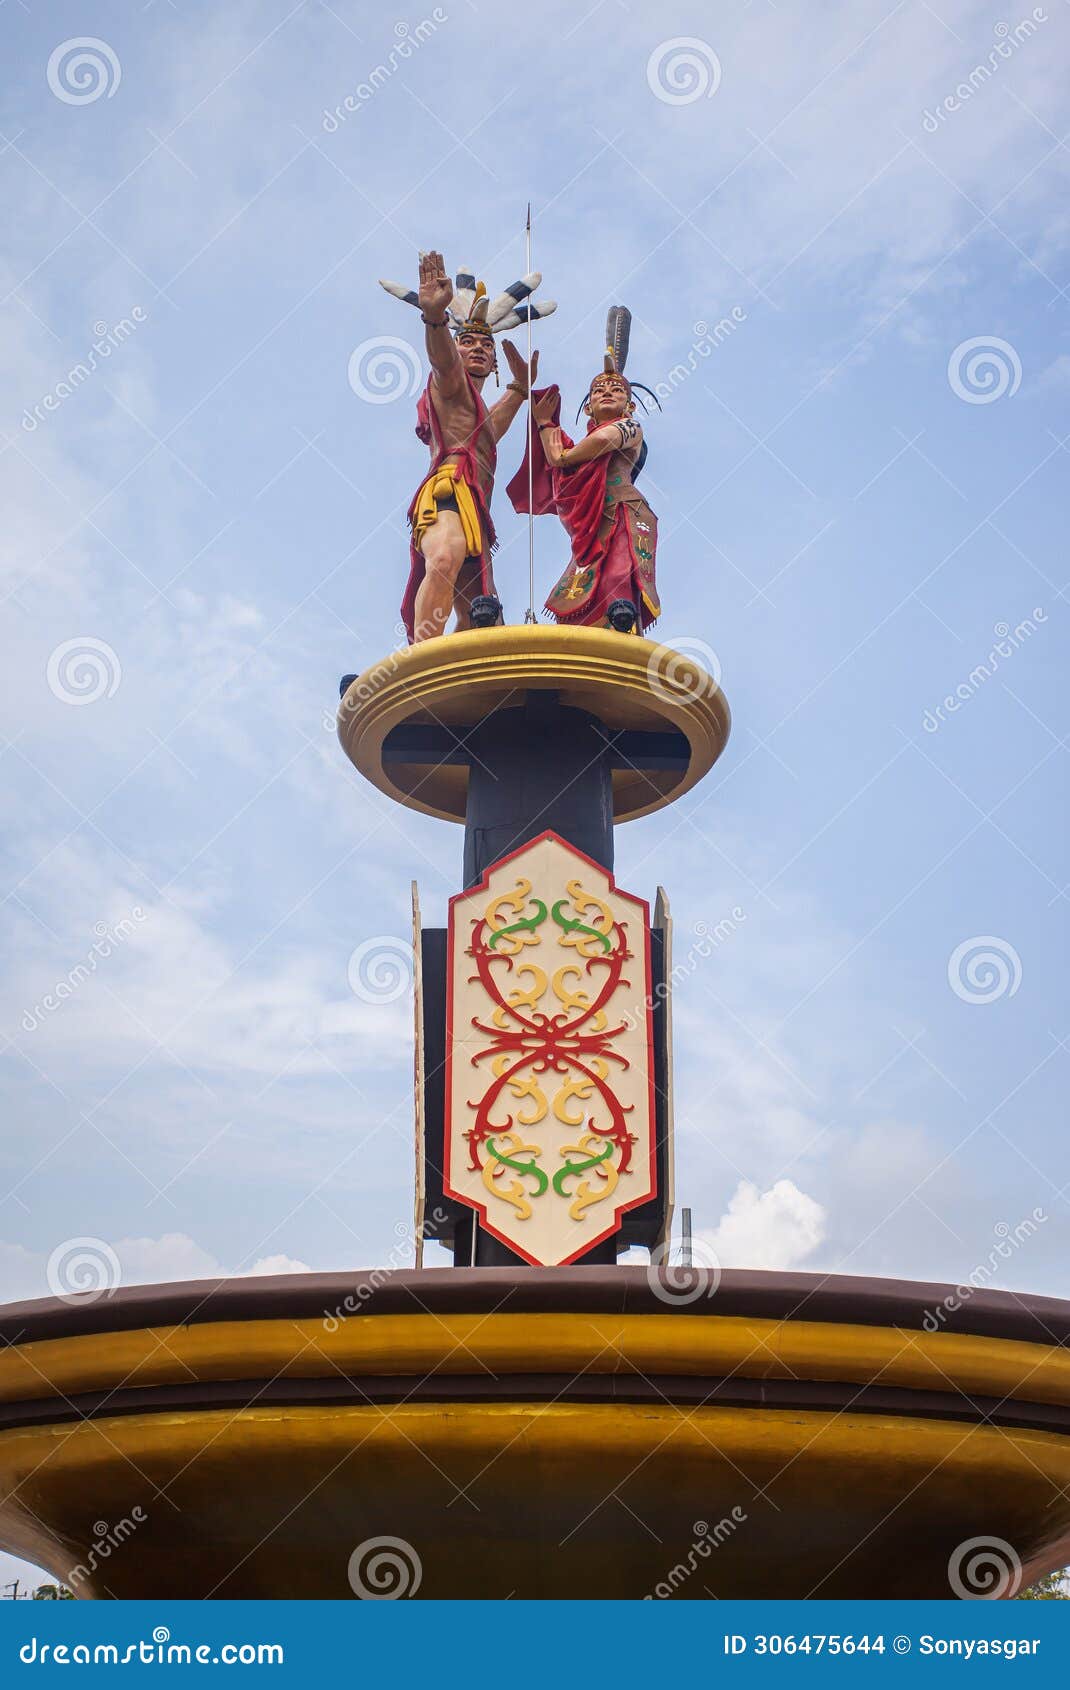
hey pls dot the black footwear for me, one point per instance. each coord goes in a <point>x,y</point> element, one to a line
<point>622,616</point>
<point>486,611</point>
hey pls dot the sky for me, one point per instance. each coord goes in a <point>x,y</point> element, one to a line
<point>843,237</point>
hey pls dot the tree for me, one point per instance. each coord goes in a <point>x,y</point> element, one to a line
<point>53,1593</point>
<point>1050,1588</point>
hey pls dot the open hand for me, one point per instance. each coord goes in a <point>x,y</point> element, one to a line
<point>436,288</point>
<point>544,407</point>
<point>518,368</point>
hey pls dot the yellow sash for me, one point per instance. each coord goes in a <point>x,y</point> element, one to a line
<point>444,483</point>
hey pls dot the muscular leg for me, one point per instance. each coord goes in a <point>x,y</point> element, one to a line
<point>469,584</point>
<point>443,553</point>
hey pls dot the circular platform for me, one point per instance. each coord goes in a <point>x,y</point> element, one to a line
<point>599,1432</point>
<point>446,686</point>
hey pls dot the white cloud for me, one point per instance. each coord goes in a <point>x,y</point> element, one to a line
<point>777,1228</point>
<point>276,1264</point>
<point>175,980</point>
<point>172,1258</point>
<point>811,165</point>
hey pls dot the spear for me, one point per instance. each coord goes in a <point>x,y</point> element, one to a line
<point>530,617</point>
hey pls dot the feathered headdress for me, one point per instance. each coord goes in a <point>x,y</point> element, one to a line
<point>618,335</point>
<point>472,311</point>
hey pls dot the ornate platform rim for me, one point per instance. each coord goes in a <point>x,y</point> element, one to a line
<point>625,680</point>
<point>633,1358</point>
<point>749,1293</point>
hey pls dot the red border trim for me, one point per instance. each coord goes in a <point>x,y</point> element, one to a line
<point>447,1126</point>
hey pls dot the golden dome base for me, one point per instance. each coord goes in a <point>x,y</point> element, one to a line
<point>630,684</point>
<point>531,1500</point>
<point>579,1433</point>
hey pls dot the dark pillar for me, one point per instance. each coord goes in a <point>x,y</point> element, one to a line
<point>490,1252</point>
<point>538,767</point>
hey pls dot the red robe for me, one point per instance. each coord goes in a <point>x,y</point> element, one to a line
<point>429,431</point>
<point>603,567</point>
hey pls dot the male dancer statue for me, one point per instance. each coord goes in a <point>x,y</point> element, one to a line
<point>452,533</point>
<point>609,580</point>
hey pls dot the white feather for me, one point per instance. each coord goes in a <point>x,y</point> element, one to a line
<point>505,302</point>
<point>398,291</point>
<point>544,309</point>
<point>463,298</point>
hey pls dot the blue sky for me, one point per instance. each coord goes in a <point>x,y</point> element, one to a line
<point>850,509</point>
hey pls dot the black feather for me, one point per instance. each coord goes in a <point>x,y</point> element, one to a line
<point>618,334</point>
<point>638,387</point>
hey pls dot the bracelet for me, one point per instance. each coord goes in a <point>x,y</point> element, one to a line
<point>443,323</point>
<point>514,387</point>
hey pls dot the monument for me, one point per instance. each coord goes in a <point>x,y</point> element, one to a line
<point>539,1419</point>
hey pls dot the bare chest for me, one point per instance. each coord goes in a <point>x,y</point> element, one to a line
<point>456,421</point>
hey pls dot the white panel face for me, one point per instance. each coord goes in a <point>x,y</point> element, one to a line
<point>549,1068</point>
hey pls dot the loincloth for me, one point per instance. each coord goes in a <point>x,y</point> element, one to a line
<point>444,489</point>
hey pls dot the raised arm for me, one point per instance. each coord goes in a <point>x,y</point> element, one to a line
<point>436,291</point>
<point>610,437</point>
<point>505,409</point>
